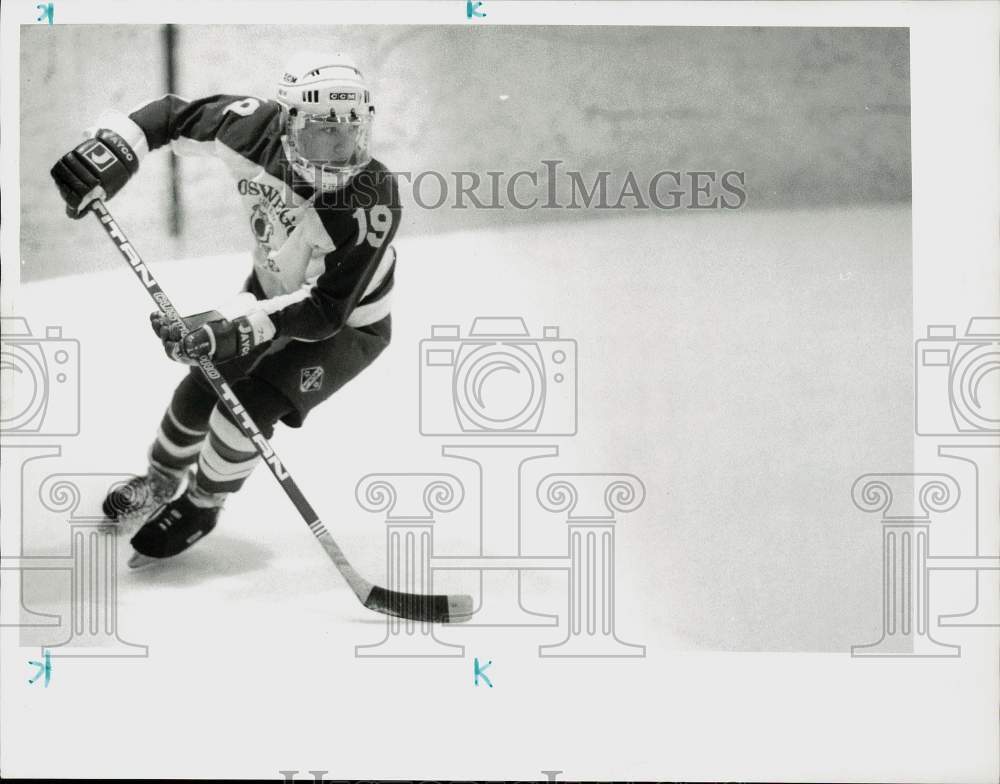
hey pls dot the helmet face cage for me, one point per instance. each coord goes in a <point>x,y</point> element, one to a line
<point>328,151</point>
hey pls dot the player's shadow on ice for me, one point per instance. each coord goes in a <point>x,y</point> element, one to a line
<point>219,557</point>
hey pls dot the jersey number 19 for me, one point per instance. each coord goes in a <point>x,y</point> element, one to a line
<point>381,222</point>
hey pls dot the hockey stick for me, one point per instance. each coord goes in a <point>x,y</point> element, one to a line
<point>439,608</point>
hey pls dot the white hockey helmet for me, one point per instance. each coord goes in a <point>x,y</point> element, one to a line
<point>328,118</point>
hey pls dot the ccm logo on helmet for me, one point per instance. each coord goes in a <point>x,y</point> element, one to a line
<point>343,96</point>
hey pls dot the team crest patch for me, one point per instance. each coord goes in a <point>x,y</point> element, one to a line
<point>260,224</point>
<point>310,379</point>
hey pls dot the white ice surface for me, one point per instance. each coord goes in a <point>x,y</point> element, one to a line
<point>747,367</point>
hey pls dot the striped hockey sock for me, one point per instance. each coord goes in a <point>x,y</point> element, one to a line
<point>177,444</point>
<point>225,460</point>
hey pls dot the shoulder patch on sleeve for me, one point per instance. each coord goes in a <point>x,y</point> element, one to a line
<point>249,125</point>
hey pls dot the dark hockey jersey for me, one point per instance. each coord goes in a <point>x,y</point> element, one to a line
<point>321,260</point>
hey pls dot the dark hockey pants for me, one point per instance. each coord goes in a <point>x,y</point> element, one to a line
<point>278,382</point>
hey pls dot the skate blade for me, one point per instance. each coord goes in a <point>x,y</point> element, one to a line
<point>140,561</point>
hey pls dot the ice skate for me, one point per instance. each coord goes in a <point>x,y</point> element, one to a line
<point>172,530</point>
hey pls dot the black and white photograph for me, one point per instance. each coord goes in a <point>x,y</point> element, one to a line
<point>500,391</point>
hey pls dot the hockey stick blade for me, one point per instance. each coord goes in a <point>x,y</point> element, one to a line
<point>439,608</point>
<point>434,608</point>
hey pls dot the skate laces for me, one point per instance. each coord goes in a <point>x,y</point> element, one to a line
<point>168,520</point>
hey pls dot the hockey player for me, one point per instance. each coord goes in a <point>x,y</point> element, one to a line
<point>315,310</point>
